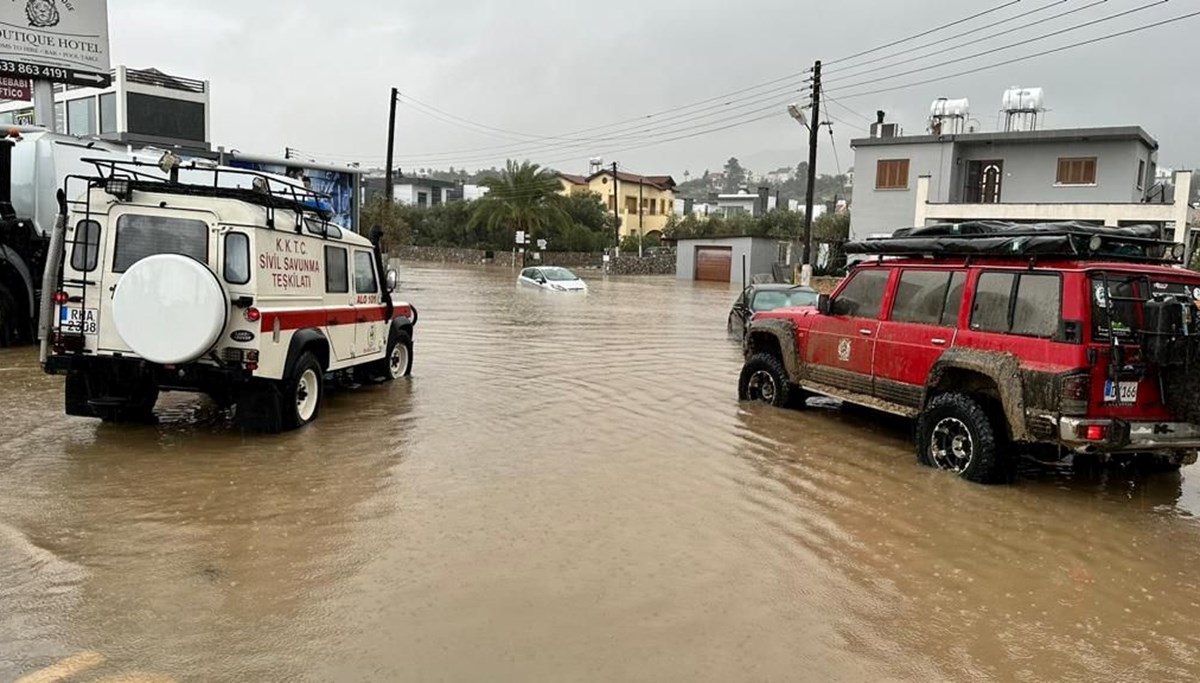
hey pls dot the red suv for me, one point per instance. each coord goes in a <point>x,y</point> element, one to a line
<point>1081,338</point>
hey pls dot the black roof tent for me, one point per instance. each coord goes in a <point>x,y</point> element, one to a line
<point>998,239</point>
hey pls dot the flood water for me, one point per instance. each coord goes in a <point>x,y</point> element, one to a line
<point>568,490</point>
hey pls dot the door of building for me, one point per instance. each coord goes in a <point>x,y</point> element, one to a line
<point>985,179</point>
<point>714,264</point>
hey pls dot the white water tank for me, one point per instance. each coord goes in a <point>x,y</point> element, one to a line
<point>947,108</point>
<point>1023,100</point>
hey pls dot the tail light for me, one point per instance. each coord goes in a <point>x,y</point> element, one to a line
<point>60,298</point>
<point>253,314</point>
<point>1092,432</point>
<point>1075,393</point>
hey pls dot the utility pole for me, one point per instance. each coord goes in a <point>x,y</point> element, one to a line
<point>389,184</point>
<point>813,127</point>
<point>616,204</point>
<point>641,222</point>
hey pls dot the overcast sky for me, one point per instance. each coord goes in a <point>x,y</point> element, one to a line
<point>315,74</point>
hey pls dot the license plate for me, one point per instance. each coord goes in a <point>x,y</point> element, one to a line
<point>79,320</point>
<point>1120,392</point>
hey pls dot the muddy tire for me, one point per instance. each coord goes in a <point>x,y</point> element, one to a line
<point>10,319</point>
<point>302,393</point>
<point>765,380</point>
<point>956,434</point>
<point>396,363</point>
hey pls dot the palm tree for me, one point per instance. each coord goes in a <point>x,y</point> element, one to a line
<point>524,197</point>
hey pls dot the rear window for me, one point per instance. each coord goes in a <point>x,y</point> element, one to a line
<point>1028,304</point>
<point>140,236</point>
<point>85,250</point>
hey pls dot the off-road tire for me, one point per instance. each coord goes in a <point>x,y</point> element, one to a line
<point>383,370</point>
<point>306,376</point>
<point>957,416</point>
<point>10,319</point>
<point>765,380</point>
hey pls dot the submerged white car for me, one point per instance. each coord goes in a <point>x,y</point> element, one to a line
<point>552,278</point>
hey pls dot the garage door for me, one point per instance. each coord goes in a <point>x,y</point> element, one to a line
<point>713,263</point>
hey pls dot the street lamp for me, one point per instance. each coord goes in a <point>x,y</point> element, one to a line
<point>796,112</point>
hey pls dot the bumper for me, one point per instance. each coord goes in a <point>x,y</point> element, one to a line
<point>1118,436</point>
<point>191,377</point>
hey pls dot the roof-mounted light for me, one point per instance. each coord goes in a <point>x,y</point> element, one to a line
<point>119,188</point>
<point>1095,243</point>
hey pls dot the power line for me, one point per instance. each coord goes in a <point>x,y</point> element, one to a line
<point>978,40</point>
<point>926,33</point>
<point>864,117</point>
<point>973,31</point>
<point>1024,58</point>
<point>992,51</point>
<point>789,79</point>
<point>832,141</point>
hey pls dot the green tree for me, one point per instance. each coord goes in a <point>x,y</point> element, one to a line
<point>524,197</point>
<point>397,231</point>
<point>735,175</point>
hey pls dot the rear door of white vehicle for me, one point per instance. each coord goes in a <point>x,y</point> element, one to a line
<point>135,233</point>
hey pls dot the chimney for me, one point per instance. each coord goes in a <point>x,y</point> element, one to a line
<point>764,194</point>
<point>688,204</point>
<point>879,116</point>
<point>877,127</point>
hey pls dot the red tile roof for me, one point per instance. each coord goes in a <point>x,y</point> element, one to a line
<point>573,179</point>
<point>659,182</point>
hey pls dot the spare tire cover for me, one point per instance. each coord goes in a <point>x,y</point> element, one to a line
<point>169,308</point>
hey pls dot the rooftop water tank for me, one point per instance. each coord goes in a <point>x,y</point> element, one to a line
<point>946,108</point>
<point>1023,100</point>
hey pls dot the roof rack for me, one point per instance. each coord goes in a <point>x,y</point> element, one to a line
<point>223,182</point>
<point>1138,243</point>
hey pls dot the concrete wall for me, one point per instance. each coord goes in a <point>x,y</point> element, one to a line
<point>879,212</point>
<point>760,255</point>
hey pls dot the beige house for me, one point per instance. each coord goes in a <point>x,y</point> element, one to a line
<point>643,203</point>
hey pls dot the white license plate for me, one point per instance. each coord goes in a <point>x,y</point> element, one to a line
<point>79,320</point>
<point>1120,392</point>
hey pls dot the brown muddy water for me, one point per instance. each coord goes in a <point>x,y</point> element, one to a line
<point>567,489</point>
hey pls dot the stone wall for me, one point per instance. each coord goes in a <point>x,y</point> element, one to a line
<point>661,263</point>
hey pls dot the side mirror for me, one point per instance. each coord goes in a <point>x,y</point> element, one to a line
<point>392,278</point>
<point>541,280</point>
<point>824,304</point>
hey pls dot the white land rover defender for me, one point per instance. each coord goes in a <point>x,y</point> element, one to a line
<point>230,283</point>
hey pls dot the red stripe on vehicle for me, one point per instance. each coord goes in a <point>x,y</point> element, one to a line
<point>328,317</point>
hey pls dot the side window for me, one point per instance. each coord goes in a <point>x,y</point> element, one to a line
<point>364,273</point>
<point>989,313</point>
<point>85,250</point>
<point>921,297</point>
<point>337,278</point>
<point>237,258</point>
<point>1038,307</point>
<point>1028,304</point>
<point>929,297</point>
<point>862,297</point>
